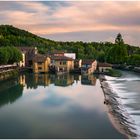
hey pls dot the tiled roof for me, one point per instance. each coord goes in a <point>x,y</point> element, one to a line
<point>77,60</point>
<point>104,65</point>
<point>39,58</point>
<point>56,52</point>
<point>88,61</point>
<point>61,58</point>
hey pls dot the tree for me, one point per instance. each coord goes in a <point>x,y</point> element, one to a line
<point>9,55</point>
<point>118,52</point>
<point>3,56</point>
<point>134,59</point>
<point>17,55</point>
<point>101,56</point>
<point>119,39</point>
<point>11,36</point>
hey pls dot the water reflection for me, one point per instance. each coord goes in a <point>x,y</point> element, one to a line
<point>10,92</point>
<point>50,106</point>
<point>35,80</point>
<point>88,80</point>
<point>12,89</point>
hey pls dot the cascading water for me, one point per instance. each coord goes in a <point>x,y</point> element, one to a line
<point>123,96</point>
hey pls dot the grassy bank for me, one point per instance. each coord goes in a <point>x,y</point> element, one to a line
<point>114,73</point>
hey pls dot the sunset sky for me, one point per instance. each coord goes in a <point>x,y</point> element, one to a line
<point>85,21</point>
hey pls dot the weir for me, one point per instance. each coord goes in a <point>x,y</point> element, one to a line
<point>119,115</point>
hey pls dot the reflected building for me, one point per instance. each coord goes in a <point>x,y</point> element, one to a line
<point>12,89</point>
<point>30,81</point>
<point>42,79</point>
<point>22,80</point>
<point>35,80</point>
<point>88,80</point>
<point>64,80</point>
<point>77,78</point>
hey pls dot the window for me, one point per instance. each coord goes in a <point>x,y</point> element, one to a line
<point>40,68</point>
<point>52,61</point>
<point>30,62</point>
<point>39,63</point>
<point>64,62</point>
<point>102,70</point>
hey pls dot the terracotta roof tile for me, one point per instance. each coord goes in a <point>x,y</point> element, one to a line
<point>39,58</point>
<point>104,65</point>
<point>61,58</point>
<point>88,61</point>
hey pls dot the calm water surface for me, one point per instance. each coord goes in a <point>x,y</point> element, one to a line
<point>49,106</point>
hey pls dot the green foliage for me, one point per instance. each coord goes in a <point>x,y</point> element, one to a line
<point>17,56</point>
<point>117,53</point>
<point>114,73</point>
<point>4,56</point>
<point>101,56</point>
<point>134,60</point>
<point>119,39</point>
<point>9,55</point>
<point>10,35</point>
<point>102,51</point>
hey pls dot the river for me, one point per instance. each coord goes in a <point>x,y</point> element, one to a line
<point>66,106</point>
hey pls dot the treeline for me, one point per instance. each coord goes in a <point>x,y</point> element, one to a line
<point>118,52</point>
<point>11,36</point>
<point>9,55</point>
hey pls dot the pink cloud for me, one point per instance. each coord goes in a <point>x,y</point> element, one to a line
<point>42,19</point>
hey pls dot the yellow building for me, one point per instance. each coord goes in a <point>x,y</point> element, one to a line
<point>41,64</point>
<point>22,63</point>
<point>88,66</point>
<point>62,63</point>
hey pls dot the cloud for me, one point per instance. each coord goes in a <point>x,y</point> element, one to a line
<point>97,36</point>
<point>52,18</point>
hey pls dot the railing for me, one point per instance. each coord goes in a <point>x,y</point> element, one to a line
<point>6,68</point>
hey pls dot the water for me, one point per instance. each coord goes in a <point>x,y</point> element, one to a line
<point>127,88</point>
<point>49,106</point>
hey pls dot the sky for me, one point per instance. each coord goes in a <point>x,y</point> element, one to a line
<point>75,20</point>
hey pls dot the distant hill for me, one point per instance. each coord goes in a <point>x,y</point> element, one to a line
<point>12,36</point>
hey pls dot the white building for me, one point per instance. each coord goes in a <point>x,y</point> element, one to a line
<point>70,55</point>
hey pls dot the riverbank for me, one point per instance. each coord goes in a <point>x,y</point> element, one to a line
<point>120,117</point>
<point>9,74</point>
<point>128,68</point>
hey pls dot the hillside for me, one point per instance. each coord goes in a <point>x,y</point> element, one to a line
<point>12,36</point>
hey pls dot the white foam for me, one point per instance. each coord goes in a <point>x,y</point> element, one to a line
<point>128,99</point>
